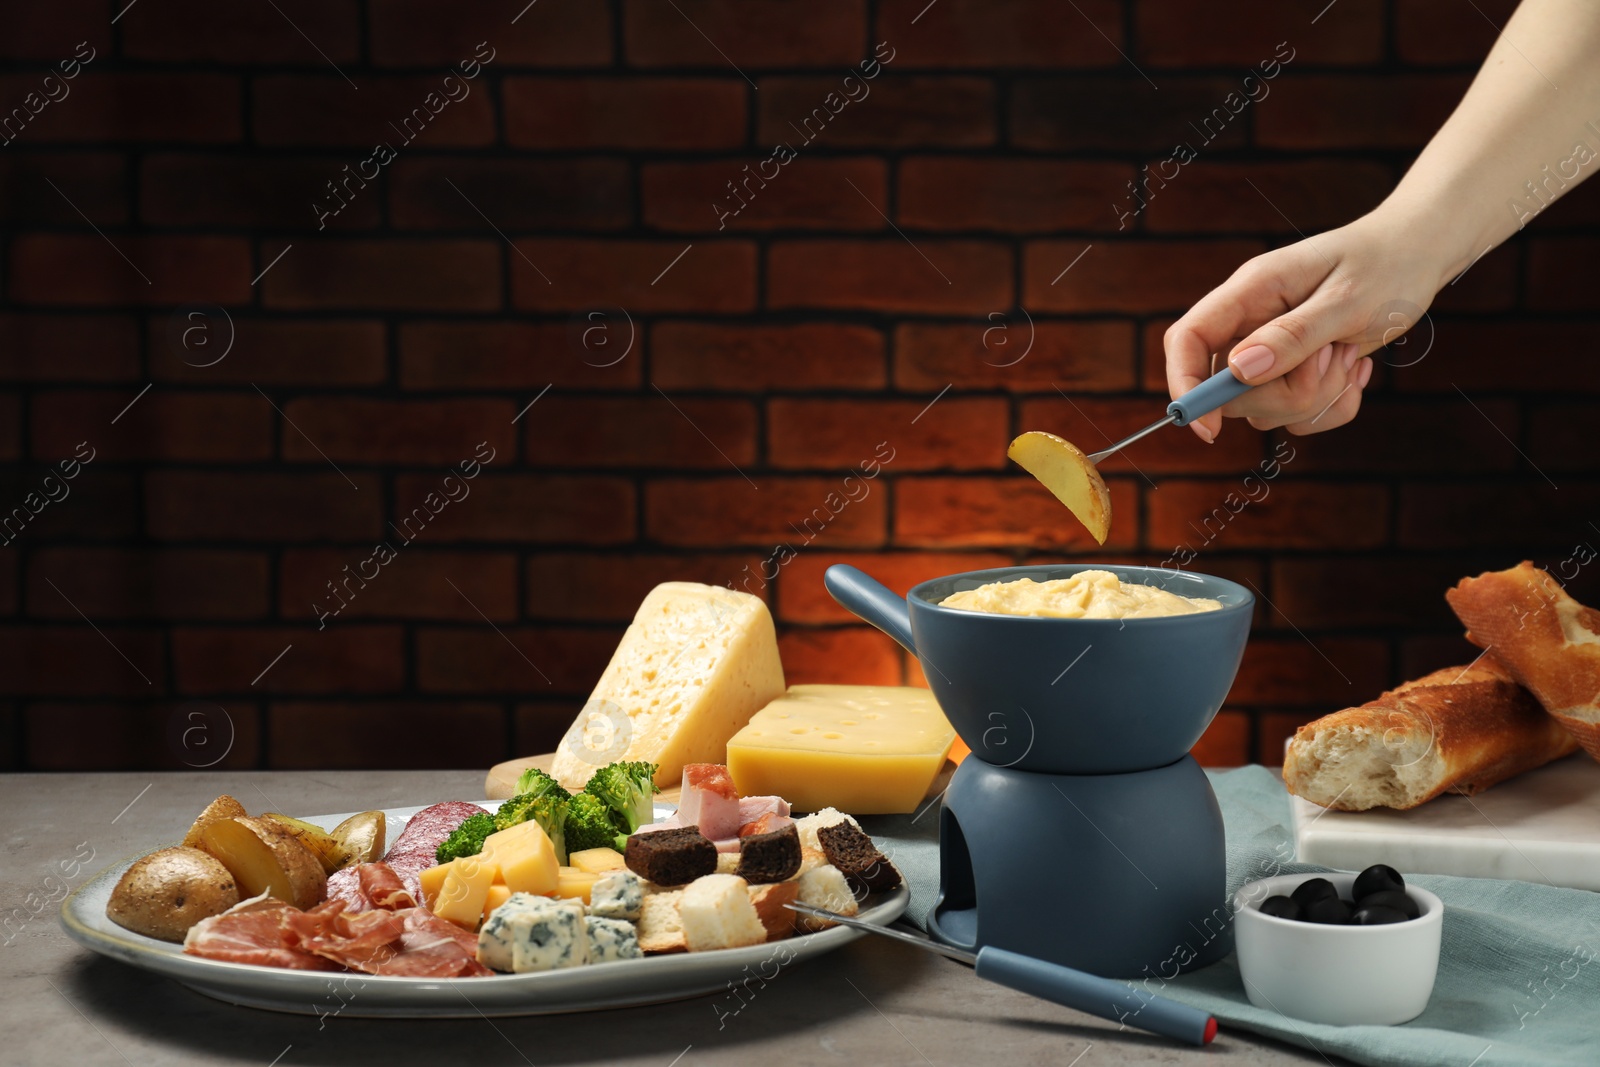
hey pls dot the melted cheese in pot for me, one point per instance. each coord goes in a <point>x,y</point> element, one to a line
<point>1085,595</point>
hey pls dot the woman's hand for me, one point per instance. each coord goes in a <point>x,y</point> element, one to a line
<point>1307,314</point>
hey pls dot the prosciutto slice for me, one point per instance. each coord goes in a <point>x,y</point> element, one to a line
<point>255,931</point>
<point>386,933</point>
<point>432,947</point>
<point>362,942</point>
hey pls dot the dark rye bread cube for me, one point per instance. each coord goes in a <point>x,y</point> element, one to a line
<point>772,857</point>
<point>849,848</point>
<point>671,857</point>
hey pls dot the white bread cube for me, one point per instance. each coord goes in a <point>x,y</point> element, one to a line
<point>717,913</point>
<point>660,926</point>
<point>825,887</point>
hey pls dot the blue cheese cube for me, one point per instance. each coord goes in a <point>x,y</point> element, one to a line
<point>612,939</point>
<point>496,938</point>
<point>548,935</point>
<point>617,895</point>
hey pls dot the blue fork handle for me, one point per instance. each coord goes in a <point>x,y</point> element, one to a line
<point>1117,1001</point>
<point>1207,397</point>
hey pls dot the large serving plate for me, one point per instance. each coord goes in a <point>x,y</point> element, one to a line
<point>625,983</point>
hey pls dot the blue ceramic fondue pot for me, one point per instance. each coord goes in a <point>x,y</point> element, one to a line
<point>1066,696</point>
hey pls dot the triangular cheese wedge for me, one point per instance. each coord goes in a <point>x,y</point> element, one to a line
<point>695,664</point>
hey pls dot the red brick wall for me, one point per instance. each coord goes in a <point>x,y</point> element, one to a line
<point>160,613</point>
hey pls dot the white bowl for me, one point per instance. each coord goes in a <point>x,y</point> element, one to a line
<point>1341,975</point>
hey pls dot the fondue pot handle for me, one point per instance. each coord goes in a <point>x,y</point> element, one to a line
<point>870,599</point>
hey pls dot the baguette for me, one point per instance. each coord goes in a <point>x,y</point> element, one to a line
<point>1459,730</point>
<point>1548,641</point>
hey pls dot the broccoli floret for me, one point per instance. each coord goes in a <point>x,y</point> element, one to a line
<point>548,810</point>
<point>591,824</point>
<point>513,811</point>
<point>627,789</point>
<point>466,839</point>
<point>535,782</point>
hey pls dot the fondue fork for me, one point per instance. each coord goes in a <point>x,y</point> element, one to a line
<point>1203,399</point>
<point>1105,997</point>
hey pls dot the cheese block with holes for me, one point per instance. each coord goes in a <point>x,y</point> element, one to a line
<point>867,749</point>
<point>695,664</point>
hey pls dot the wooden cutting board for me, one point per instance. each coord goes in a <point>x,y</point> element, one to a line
<point>1543,826</point>
<point>502,779</point>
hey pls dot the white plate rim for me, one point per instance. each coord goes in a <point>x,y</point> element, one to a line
<point>597,986</point>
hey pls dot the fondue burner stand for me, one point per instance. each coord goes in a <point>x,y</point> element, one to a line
<point>1079,831</point>
<point>1121,875</point>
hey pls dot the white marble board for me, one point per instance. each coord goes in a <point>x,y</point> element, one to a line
<point>1543,826</point>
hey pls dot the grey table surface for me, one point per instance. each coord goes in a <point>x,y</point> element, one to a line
<point>873,1001</point>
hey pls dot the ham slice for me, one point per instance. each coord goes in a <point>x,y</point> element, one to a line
<point>762,815</point>
<point>766,823</point>
<point>710,801</point>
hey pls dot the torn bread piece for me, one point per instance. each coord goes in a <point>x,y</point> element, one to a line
<point>1459,730</point>
<point>1547,640</point>
<point>825,888</point>
<point>717,912</point>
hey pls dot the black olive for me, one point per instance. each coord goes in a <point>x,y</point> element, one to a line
<point>1397,899</point>
<point>1314,889</point>
<point>1376,879</point>
<point>1376,915</point>
<point>1329,910</point>
<point>1281,907</point>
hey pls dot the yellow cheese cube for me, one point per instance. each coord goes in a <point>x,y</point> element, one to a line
<point>865,749</point>
<point>597,860</point>
<point>465,889</point>
<point>571,882</point>
<point>526,858</point>
<point>432,880</point>
<point>695,664</point>
<point>499,893</point>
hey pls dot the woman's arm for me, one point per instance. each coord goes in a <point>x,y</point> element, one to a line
<point>1520,138</point>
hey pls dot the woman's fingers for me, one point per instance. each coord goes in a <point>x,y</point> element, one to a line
<point>1344,405</point>
<point>1265,288</point>
<point>1308,398</point>
<point>1285,343</point>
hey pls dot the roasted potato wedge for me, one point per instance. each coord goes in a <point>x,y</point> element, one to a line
<point>166,892</point>
<point>1066,471</point>
<point>323,845</point>
<point>362,837</point>
<point>264,857</point>
<point>224,807</point>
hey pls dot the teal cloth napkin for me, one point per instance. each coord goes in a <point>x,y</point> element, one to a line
<point>1519,969</point>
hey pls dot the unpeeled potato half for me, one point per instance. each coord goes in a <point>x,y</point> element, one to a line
<point>362,836</point>
<point>265,858</point>
<point>1065,470</point>
<point>359,839</point>
<point>166,892</point>
<point>224,807</point>
<point>319,841</point>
